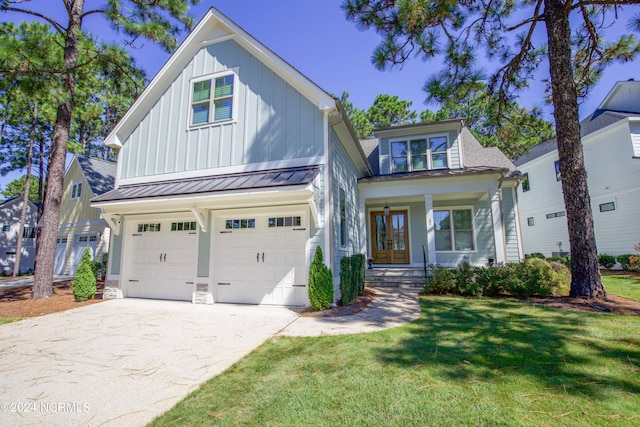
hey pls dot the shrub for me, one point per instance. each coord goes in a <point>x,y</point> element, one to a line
<point>606,261</point>
<point>348,287</point>
<point>84,286</point>
<point>465,281</point>
<point>358,268</point>
<point>320,283</point>
<point>624,261</point>
<point>563,279</point>
<point>535,255</point>
<point>440,281</point>
<point>535,276</point>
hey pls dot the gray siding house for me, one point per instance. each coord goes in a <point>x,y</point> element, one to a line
<point>10,212</point>
<point>611,145</point>
<point>233,167</point>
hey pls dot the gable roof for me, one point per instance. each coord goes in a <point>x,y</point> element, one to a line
<point>12,200</point>
<point>100,174</point>
<point>624,97</point>
<point>596,121</point>
<point>212,28</point>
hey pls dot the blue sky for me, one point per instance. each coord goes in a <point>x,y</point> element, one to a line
<point>315,37</point>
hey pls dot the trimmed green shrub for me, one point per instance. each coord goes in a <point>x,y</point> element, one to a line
<point>348,287</point>
<point>84,286</point>
<point>535,255</point>
<point>320,283</point>
<point>624,261</point>
<point>358,268</point>
<point>440,281</point>
<point>606,261</point>
<point>535,276</point>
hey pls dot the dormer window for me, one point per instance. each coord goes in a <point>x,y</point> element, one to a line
<point>212,99</point>
<point>419,154</point>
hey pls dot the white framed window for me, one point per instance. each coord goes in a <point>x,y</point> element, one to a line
<point>76,190</point>
<point>454,230</point>
<point>526,184</point>
<point>6,227</point>
<point>213,98</point>
<point>420,153</point>
<point>530,221</point>
<point>29,233</point>
<point>607,207</point>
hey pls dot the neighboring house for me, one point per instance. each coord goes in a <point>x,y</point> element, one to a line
<point>233,167</point>
<point>80,224</point>
<point>10,212</point>
<point>611,144</point>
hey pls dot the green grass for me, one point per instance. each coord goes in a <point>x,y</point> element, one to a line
<point>4,320</point>
<point>465,362</point>
<point>622,286</point>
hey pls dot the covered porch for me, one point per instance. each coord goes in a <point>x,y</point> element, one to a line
<point>444,221</point>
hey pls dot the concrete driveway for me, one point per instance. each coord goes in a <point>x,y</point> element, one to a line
<point>122,362</point>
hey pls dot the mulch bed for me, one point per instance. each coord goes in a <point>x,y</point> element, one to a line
<point>612,304</point>
<point>357,305</point>
<point>17,302</point>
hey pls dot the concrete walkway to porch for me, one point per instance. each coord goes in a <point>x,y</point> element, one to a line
<point>391,307</point>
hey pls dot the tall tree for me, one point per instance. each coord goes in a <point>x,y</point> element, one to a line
<point>388,111</point>
<point>16,188</point>
<point>511,127</point>
<point>576,54</point>
<point>159,20</point>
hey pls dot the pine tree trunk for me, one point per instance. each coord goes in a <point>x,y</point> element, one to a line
<point>46,253</point>
<point>585,273</point>
<point>27,188</point>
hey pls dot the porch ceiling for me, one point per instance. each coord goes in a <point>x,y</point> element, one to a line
<point>443,197</point>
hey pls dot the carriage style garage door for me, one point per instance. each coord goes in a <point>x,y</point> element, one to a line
<point>162,259</point>
<point>261,259</point>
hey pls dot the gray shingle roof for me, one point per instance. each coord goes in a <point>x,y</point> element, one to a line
<point>212,184</point>
<point>100,174</point>
<point>476,158</point>
<point>599,119</point>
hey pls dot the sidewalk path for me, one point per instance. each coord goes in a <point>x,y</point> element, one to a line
<point>391,307</point>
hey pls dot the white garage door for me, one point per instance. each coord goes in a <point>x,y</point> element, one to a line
<point>79,243</point>
<point>261,260</point>
<point>61,255</point>
<point>162,259</point>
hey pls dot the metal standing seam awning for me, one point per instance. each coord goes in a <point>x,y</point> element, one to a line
<point>256,188</point>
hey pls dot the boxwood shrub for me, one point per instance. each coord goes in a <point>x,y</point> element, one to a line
<point>320,282</point>
<point>534,276</point>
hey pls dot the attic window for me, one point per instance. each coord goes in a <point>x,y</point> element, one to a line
<point>212,99</point>
<point>76,190</point>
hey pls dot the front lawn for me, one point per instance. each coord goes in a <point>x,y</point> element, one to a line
<point>622,286</point>
<point>465,362</point>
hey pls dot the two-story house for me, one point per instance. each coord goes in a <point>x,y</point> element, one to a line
<point>80,224</point>
<point>611,143</point>
<point>233,167</point>
<point>10,213</point>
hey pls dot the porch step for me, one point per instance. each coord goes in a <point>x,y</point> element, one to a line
<point>394,277</point>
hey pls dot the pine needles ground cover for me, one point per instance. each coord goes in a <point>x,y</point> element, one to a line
<point>465,362</point>
<point>622,286</point>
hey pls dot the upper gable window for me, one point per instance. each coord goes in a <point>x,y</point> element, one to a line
<point>213,98</point>
<point>76,190</point>
<point>419,154</point>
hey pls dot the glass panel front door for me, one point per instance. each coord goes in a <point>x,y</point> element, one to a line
<point>390,237</point>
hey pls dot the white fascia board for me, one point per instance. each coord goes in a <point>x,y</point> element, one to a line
<point>298,194</point>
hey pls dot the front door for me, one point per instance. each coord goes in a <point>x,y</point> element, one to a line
<point>390,237</point>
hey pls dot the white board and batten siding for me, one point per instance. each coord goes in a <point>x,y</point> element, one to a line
<point>274,122</point>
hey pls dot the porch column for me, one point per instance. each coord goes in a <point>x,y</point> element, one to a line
<point>363,228</point>
<point>498,234</point>
<point>431,229</point>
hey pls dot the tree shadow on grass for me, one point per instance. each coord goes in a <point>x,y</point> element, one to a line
<point>501,340</point>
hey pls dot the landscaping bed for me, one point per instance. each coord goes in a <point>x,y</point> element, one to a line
<point>17,302</point>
